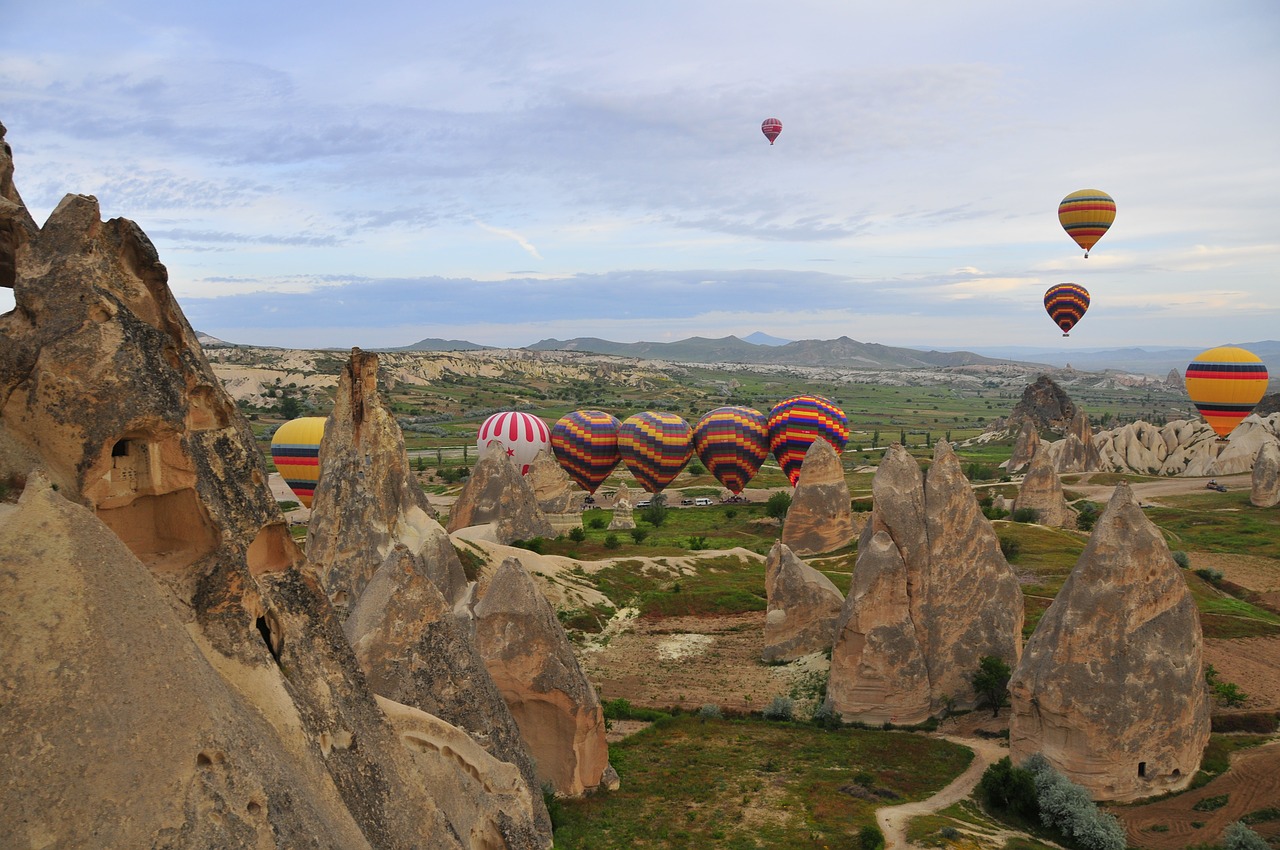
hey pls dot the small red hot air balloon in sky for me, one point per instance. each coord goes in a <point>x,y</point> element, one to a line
<point>771,128</point>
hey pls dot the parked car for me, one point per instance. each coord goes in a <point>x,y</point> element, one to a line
<point>644,503</point>
<point>702,501</point>
<point>686,501</point>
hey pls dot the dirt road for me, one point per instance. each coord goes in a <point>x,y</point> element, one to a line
<point>1149,492</point>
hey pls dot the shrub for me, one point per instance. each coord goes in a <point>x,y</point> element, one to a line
<point>1026,515</point>
<point>1087,515</point>
<point>639,534</point>
<point>778,505</point>
<point>992,512</point>
<point>696,468</point>
<point>730,513</point>
<point>1211,804</point>
<point>1240,837</point>
<point>991,683</point>
<point>1009,788</point>
<point>537,544</point>
<point>779,708</point>
<point>611,542</point>
<point>1066,807</point>
<point>1182,559</point>
<point>870,837</point>
<point>696,543</point>
<point>710,711</point>
<point>826,717</point>
<point>597,522</point>
<point>1210,575</point>
<point>1010,547</point>
<point>656,513</point>
<point>577,535</point>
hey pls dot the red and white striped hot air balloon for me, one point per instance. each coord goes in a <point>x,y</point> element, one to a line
<point>520,436</point>
<point>771,128</point>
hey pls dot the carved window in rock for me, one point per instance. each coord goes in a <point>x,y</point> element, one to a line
<point>1142,768</point>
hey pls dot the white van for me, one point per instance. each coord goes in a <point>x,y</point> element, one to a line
<point>702,501</point>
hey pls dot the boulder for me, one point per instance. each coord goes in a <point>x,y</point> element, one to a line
<point>414,651</point>
<point>1041,491</point>
<point>878,670</point>
<point>820,518</point>
<point>533,664</point>
<point>1265,492</point>
<point>367,500</point>
<point>1024,446</point>
<point>497,493</point>
<point>803,606</point>
<point>1045,405</point>
<point>1111,685</point>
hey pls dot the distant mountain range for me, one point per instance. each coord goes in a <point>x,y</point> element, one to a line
<point>443,345</point>
<point>1152,360</point>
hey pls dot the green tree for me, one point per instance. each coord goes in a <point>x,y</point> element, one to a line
<point>290,407</point>
<point>656,513</point>
<point>991,683</point>
<point>778,504</point>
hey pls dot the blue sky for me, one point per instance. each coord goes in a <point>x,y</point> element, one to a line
<point>337,174</point>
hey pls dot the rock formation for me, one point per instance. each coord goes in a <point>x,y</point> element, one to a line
<point>1041,491</point>
<point>803,606</point>
<point>532,663</point>
<point>1024,446</point>
<point>414,651</point>
<point>1267,405</point>
<point>878,671</point>
<point>1174,380</point>
<point>1045,405</point>
<point>1185,447</point>
<point>1265,492</point>
<point>623,517</point>
<point>963,598</point>
<point>557,498</point>
<point>820,518</point>
<point>1111,686</point>
<point>1076,452</point>
<point>163,636</point>
<point>367,500</point>
<point>497,493</point>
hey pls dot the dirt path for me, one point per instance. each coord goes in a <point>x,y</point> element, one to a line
<point>893,819</point>
<point>1149,492</point>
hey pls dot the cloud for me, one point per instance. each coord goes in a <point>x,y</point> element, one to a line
<point>511,234</point>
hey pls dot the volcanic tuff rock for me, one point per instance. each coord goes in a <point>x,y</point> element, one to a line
<point>559,501</point>
<point>1041,491</point>
<point>1024,446</point>
<point>1265,492</point>
<point>820,518</point>
<point>199,666</point>
<point>1185,447</point>
<point>497,493</point>
<point>878,671</point>
<point>1267,405</point>
<point>803,606</point>
<point>532,663</point>
<point>1111,686</point>
<point>623,517</point>
<point>1045,405</point>
<point>416,652</point>
<point>963,598</point>
<point>1174,380</point>
<point>367,499</point>
<point>1076,452</point>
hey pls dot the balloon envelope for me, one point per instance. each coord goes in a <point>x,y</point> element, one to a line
<point>1085,215</point>
<point>655,447</point>
<point>795,423</point>
<point>520,436</point>
<point>732,442</point>
<point>1066,304</point>
<point>295,450</point>
<point>585,443</point>
<point>1225,384</point>
<point>771,128</point>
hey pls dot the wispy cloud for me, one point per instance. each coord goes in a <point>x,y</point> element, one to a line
<point>512,235</point>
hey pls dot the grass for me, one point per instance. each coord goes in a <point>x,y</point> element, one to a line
<point>1219,522</point>
<point>754,784</point>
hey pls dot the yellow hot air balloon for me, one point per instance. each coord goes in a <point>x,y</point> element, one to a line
<point>295,448</point>
<point>1225,384</point>
<point>1085,215</point>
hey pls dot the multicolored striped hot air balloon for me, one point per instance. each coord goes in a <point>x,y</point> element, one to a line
<point>795,423</point>
<point>772,128</point>
<point>1066,304</point>
<point>519,435</point>
<point>1225,384</point>
<point>655,447</point>
<point>732,442</point>
<point>585,443</point>
<point>295,450</point>
<point>1085,215</point>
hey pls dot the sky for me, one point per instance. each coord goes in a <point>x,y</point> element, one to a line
<point>330,174</point>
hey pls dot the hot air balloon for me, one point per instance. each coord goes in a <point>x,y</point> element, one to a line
<point>1224,384</point>
<point>795,423</point>
<point>1066,304</point>
<point>655,447</point>
<point>585,443</point>
<point>771,128</point>
<point>732,442</point>
<point>1085,215</point>
<point>519,435</point>
<point>295,449</point>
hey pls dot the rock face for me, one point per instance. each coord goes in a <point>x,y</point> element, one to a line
<point>497,493</point>
<point>1265,492</point>
<point>1111,687</point>
<point>415,652</point>
<point>623,517</point>
<point>963,599</point>
<point>367,501</point>
<point>163,636</point>
<point>1024,446</point>
<point>803,606</point>
<point>1267,405</point>
<point>820,518</point>
<point>1174,380</point>
<point>1041,491</point>
<point>532,663</point>
<point>1185,447</point>
<point>878,671</point>
<point>1076,452</point>
<point>1045,405</point>
<point>557,498</point>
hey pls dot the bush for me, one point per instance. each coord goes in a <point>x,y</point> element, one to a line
<point>1026,515</point>
<point>1009,788</point>
<point>710,711</point>
<point>696,468</point>
<point>870,837</point>
<point>1210,575</point>
<point>1010,547</point>
<point>1182,559</point>
<point>696,543</point>
<point>656,512</point>
<point>577,535</point>
<point>730,513</point>
<point>1211,804</point>
<point>1240,837</point>
<point>991,683</point>
<point>826,717</point>
<point>1087,515</point>
<point>611,542</point>
<point>537,544</point>
<point>1066,807</point>
<point>778,505</point>
<point>639,534</point>
<point>597,522</point>
<point>779,708</point>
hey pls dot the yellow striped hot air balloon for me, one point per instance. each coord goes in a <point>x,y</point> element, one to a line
<point>1225,384</point>
<point>1086,214</point>
<point>295,449</point>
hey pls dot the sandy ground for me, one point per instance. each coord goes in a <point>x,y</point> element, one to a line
<point>1149,492</point>
<point>1251,663</point>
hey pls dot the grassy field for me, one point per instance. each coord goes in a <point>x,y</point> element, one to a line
<point>739,784</point>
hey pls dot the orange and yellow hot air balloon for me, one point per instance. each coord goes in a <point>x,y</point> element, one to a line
<point>295,449</point>
<point>1085,215</point>
<point>1225,384</point>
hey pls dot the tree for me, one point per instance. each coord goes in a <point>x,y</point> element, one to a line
<point>778,505</point>
<point>991,683</point>
<point>290,407</point>
<point>656,513</point>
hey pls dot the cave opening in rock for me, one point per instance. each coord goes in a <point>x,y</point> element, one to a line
<point>274,645</point>
<point>1142,768</point>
